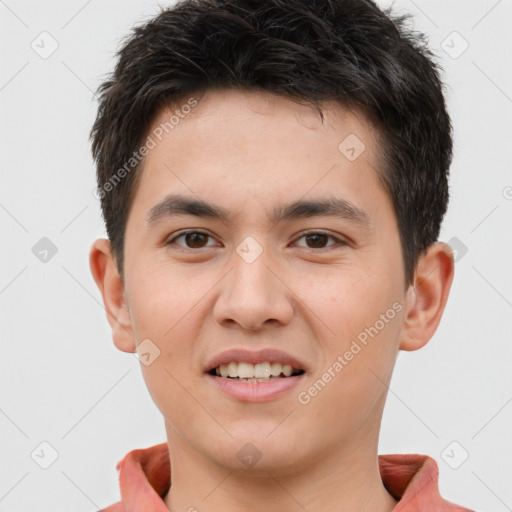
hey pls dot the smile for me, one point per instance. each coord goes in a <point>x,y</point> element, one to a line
<point>250,373</point>
<point>255,376</point>
<point>259,382</point>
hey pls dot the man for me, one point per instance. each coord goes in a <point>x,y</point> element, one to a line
<point>273,177</point>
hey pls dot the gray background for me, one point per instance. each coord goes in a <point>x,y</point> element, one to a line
<point>62,380</point>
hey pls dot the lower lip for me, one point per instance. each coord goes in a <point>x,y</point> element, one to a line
<point>255,391</point>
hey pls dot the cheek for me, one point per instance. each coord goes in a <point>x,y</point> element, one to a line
<point>364,316</point>
<point>167,307</point>
<point>165,302</point>
<point>346,301</point>
<point>351,387</point>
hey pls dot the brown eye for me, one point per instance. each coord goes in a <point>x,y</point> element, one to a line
<point>193,239</point>
<point>196,239</point>
<point>318,240</point>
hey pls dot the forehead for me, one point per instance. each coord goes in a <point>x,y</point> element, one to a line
<point>224,105</point>
<point>256,146</point>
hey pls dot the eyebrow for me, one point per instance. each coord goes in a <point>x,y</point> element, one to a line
<point>176,205</point>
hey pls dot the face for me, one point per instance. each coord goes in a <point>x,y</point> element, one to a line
<point>319,289</point>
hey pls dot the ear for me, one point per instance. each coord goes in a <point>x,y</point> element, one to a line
<point>426,298</point>
<point>108,280</point>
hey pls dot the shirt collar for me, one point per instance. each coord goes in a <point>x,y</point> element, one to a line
<point>145,478</point>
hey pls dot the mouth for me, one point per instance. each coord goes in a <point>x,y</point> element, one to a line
<point>255,376</point>
<point>251,373</point>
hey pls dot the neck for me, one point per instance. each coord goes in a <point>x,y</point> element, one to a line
<point>338,481</point>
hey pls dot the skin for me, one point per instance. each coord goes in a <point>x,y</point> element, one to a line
<point>249,152</point>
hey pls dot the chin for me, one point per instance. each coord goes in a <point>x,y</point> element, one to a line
<point>261,451</point>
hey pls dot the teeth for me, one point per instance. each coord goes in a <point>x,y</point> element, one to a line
<point>245,370</point>
<point>275,369</point>
<point>260,372</point>
<point>233,369</point>
<point>254,380</point>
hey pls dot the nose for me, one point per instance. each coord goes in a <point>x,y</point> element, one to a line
<point>254,295</point>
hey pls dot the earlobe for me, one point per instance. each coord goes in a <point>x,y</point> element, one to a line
<point>426,300</point>
<point>110,284</point>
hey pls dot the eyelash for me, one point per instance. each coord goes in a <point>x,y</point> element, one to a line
<point>302,235</point>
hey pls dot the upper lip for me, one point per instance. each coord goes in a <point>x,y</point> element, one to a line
<point>242,355</point>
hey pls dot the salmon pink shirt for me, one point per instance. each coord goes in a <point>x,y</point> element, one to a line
<point>145,479</point>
